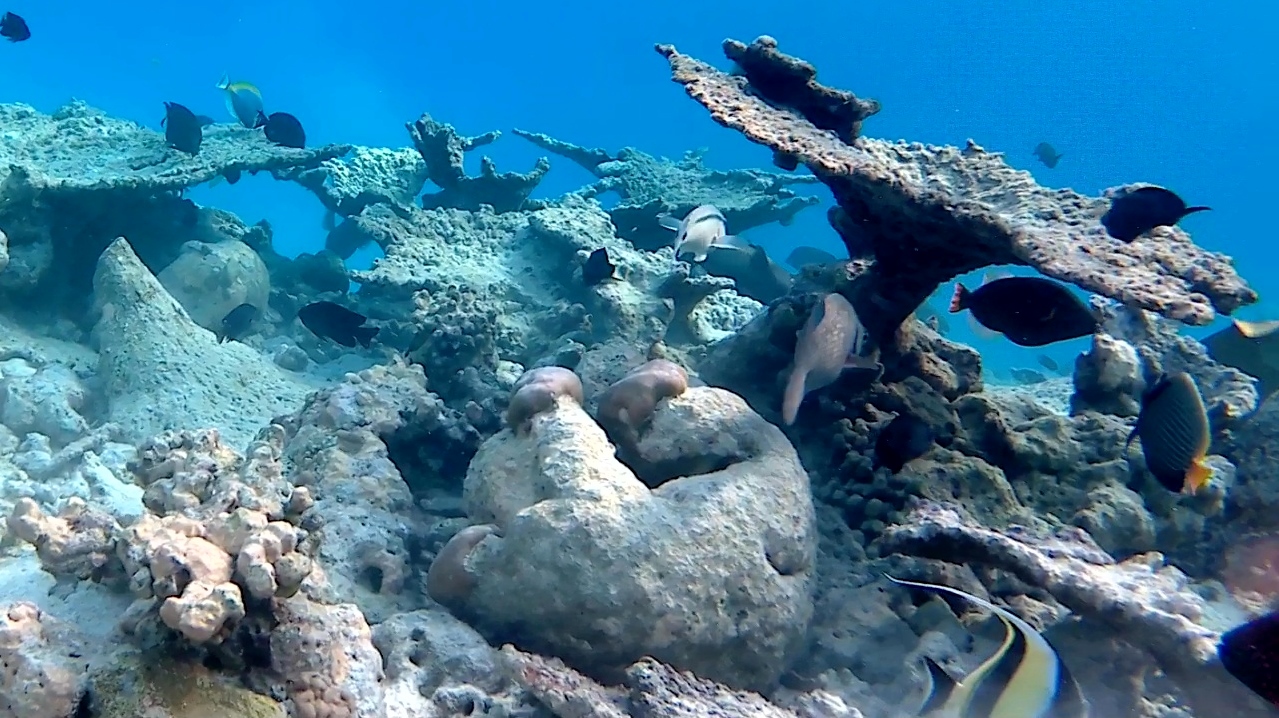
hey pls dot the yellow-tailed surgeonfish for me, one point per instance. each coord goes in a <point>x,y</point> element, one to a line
<point>243,101</point>
<point>1025,678</point>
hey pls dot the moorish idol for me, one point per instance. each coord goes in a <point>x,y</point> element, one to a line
<point>1025,678</point>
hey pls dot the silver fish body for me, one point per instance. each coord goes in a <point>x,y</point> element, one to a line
<point>701,229</point>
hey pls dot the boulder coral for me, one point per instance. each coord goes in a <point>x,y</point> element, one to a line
<point>710,571</point>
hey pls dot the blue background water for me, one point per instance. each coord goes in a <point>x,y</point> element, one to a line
<point>1173,92</point>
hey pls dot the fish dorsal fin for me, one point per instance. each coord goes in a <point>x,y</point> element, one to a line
<point>1256,330</point>
<point>994,275</point>
<point>941,687</point>
<point>225,82</point>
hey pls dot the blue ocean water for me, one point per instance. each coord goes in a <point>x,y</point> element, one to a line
<point>1176,93</point>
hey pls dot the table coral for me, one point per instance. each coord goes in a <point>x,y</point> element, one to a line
<point>649,186</point>
<point>933,213</point>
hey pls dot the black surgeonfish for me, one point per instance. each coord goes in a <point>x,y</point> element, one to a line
<point>597,268</point>
<point>1174,432</point>
<point>182,131</point>
<point>1025,678</point>
<point>14,28</point>
<point>1029,311</point>
<point>283,129</point>
<point>336,322</point>
<point>1047,154</point>
<point>1250,653</point>
<point>237,322</point>
<point>1141,210</point>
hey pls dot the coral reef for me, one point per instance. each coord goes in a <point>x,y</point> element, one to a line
<point>74,181</point>
<point>209,280</point>
<point>639,571</point>
<point>648,186</point>
<point>925,232</point>
<point>160,370</point>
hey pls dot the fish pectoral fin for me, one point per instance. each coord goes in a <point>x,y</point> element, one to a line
<point>668,222</point>
<point>941,686</point>
<point>730,241</point>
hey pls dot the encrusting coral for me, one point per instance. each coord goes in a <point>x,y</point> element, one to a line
<point>626,408</point>
<point>983,213</point>
<point>537,390</point>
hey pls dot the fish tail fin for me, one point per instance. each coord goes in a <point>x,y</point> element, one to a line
<point>364,335</point>
<point>1197,476</point>
<point>225,82</point>
<point>1197,208</point>
<point>959,300</point>
<point>941,685</point>
<point>1131,435</point>
<point>793,396</point>
<point>668,222</point>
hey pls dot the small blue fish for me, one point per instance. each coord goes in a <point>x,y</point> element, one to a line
<point>1025,678</point>
<point>243,101</point>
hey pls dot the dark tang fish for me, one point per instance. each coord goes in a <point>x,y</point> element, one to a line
<point>182,130</point>
<point>283,129</point>
<point>598,267</point>
<point>1046,154</point>
<point>336,322</point>
<point>14,27</point>
<point>1174,433</point>
<point>1250,347</point>
<point>1029,311</point>
<point>801,257</point>
<point>1141,210</point>
<point>1251,653</point>
<point>237,322</point>
<point>1025,678</point>
<point>906,437</point>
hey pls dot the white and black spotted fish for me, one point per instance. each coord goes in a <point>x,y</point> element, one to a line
<point>1025,678</point>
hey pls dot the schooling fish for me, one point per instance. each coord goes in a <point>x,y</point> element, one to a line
<point>830,341</point>
<point>1027,376</point>
<point>1029,311</point>
<point>1174,433</point>
<point>205,120</point>
<point>14,28</point>
<point>801,257</point>
<point>1250,347</point>
<point>243,101</point>
<point>283,129</point>
<point>182,130</point>
<point>906,437</point>
<point>1047,154</point>
<point>237,322</point>
<point>1047,362</point>
<point>1141,210</point>
<point>1250,653</point>
<point>702,228</point>
<point>1025,678</point>
<point>336,322</point>
<point>598,267</point>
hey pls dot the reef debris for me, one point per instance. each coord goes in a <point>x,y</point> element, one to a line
<point>932,213</point>
<point>1149,604</point>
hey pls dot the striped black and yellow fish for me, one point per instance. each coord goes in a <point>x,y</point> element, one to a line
<point>1175,435</point>
<point>1025,678</point>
